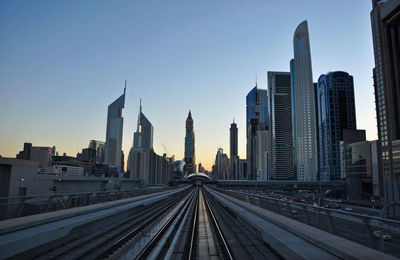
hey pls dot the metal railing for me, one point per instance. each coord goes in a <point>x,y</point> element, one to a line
<point>378,233</point>
<point>13,207</point>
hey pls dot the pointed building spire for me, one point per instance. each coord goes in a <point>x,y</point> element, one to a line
<point>125,86</point>
<point>138,119</point>
<point>233,120</point>
<point>256,79</point>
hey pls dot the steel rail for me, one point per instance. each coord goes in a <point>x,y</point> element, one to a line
<point>217,228</point>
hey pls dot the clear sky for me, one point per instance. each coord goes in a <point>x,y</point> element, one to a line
<point>63,62</point>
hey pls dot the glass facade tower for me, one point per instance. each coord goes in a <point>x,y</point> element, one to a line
<point>280,126</point>
<point>304,110</point>
<point>115,122</point>
<point>385,23</point>
<point>256,120</point>
<point>336,112</point>
<point>143,137</point>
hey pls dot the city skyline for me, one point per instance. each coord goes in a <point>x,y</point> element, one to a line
<point>55,92</point>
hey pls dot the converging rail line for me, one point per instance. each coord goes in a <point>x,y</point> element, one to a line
<point>185,223</point>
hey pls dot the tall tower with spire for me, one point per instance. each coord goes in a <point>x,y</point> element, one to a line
<point>233,158</point>
<point>115,122</point>
<point>143,137</point>
<point>190,159</point>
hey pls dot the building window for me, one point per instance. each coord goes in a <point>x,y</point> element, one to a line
<point>22,191</point>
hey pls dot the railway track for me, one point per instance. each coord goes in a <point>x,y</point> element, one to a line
<point>194,224</point>
<point>196,228</point>
<point>102,243</point>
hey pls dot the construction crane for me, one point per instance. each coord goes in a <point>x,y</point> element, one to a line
<point>165,149</point>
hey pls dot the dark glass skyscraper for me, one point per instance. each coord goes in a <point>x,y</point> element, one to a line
<point>233,140</point>
<point>280,127</point>
<point>190,159</point>
<point>385,22</point>
<point>234,159</point>
<point>115,123</point>
<point>256,120</point>
<point>336,112</point>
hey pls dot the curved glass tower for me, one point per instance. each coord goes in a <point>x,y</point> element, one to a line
<point>115,122</point>
<point>304,110</point>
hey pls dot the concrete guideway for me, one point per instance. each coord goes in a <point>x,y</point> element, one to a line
<point>28,236</point>
<point>355,227</point>
<point>186,223</point>
<point>295,240</point>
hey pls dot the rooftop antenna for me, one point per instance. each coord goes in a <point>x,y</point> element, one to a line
<point>256,79</point>
<point>140,105</point>
<point>125,86</point>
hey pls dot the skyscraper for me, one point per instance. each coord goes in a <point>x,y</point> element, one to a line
<point>221,165</point>
<point>280,126</point>
<point>99,147</point>
<point>190,159</point>
<point>385,22</point>
<point>143,137</point>
<point>262,155</point>
<point>233,140</point>
<point>336,112</point>
<point>256,120</point>
<point>305,119</point>
<point>293,97</point>
<point>115,123</point>
<point>252,148</point>
<point>234,159</point>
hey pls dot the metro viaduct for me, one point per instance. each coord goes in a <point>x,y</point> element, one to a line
<point>339,186</point>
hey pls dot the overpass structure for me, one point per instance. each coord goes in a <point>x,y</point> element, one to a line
<point>198,222</point>
<point>284,185</point>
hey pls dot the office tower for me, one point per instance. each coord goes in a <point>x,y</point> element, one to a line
<point>293,97</point>
<point>141,147</point>
<point>242,169</point>
<point>304,110</point>
<point>143,162</point>
<point>234,158</point>
<point>349,137</point>
<point>336,112</point>
<point>115,123</point>
<point>87,155</point>
<point>280,126</point>
<point>233,140</point>
<point>41,154</point>
<point>143,137</point>
<point>26,153</point>
<point>262,156</point>
<point>385,22</point>
<point>99,147</point>
<point>256,120</point>
<point>147,165</point>
<point>200,168</point>
<point>190,159</point>
<point>252,149</point>
<point>362,167</point>
<point>222,165</point>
